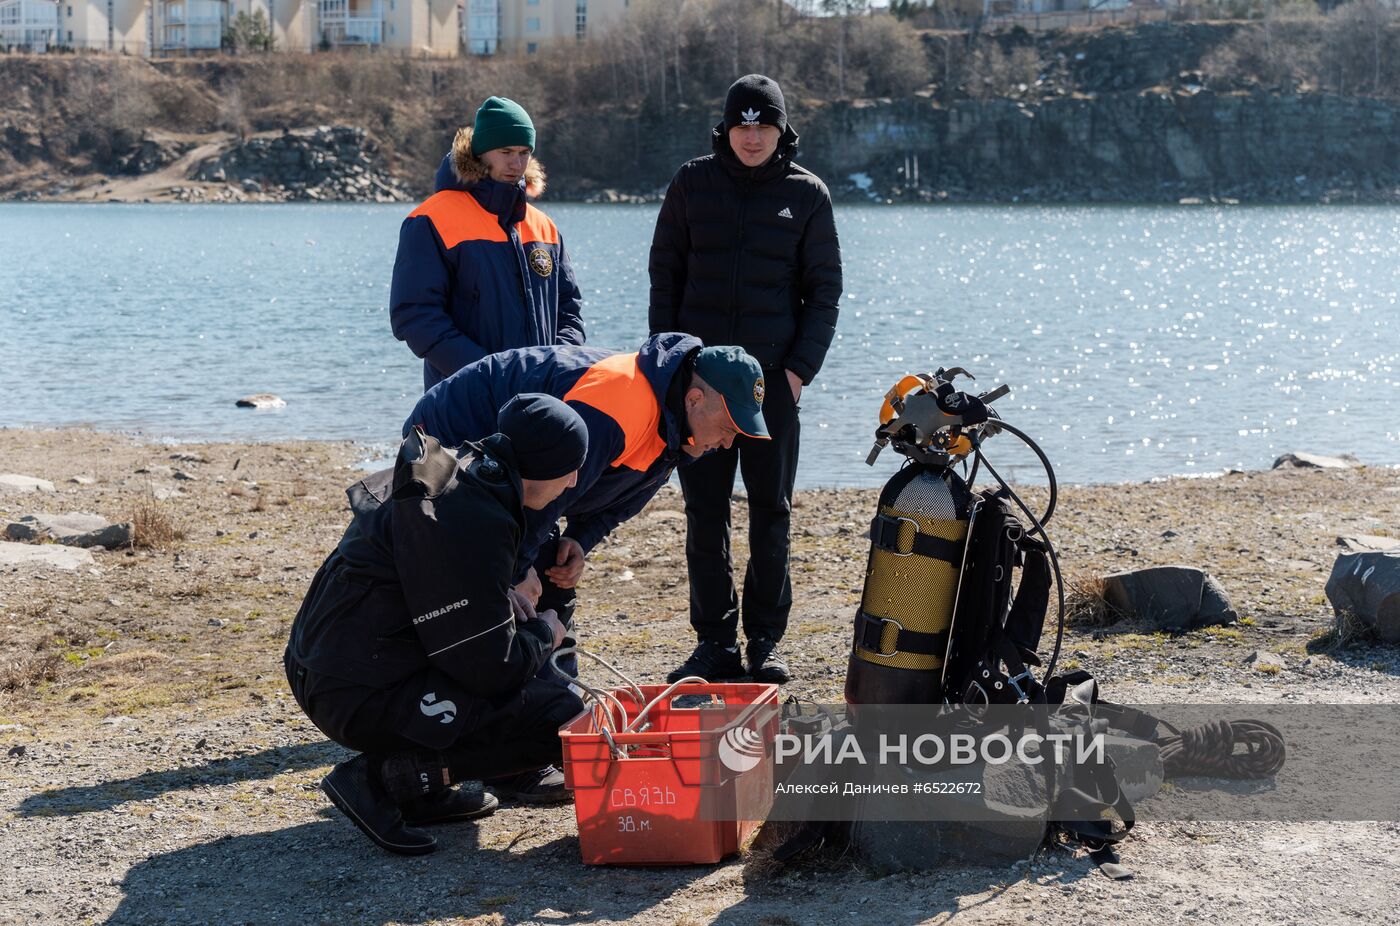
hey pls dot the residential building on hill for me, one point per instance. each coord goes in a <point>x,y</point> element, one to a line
<point>166,27</point>
<point>526,27</point>
<point>28,25</point>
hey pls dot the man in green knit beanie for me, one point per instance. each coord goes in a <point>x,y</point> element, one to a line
<point>479,269</point>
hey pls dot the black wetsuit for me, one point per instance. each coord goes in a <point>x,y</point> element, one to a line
<point>407,640</point>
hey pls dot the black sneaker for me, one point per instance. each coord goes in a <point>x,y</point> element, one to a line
<point>468,802</point>
<point>765,665</point>
<point>713,662</point>
<point>537,786</point>
<point>361,797</point>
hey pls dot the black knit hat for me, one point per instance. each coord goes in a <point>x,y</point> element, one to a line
<point>755,100</point>
<point>548,437</point>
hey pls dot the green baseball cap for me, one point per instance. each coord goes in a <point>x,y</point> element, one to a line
<point>738,379</point>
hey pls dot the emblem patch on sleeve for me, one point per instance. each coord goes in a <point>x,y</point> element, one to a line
<point>541,262</point>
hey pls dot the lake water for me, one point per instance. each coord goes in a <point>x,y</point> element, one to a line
<point>1138,341</point>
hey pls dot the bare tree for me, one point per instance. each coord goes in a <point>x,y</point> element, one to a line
<point>843,10</point>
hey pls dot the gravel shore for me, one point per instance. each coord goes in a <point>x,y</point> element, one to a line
<point>154,769</point>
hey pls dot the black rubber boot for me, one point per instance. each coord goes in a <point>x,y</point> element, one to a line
<point>468,802</point>
<point>713,662</point>
<point>354,787</point>
<point>537,786</point>
<point>765,665</point>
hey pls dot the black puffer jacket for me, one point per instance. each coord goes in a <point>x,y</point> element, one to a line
<point>749,256</point>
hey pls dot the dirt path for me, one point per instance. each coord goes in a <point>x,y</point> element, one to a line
<point>158,771</point>
<point>155,186</point>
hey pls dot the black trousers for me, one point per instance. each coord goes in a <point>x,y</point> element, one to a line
<point>483,737</point>
<point>769,468</point>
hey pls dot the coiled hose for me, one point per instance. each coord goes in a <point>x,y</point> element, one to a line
<point>1209,750</point>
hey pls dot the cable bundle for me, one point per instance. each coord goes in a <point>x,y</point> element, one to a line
<point>1209,750</point>
<point>605,702</point>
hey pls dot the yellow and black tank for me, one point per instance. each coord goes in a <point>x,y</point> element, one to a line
<point>911,584</point>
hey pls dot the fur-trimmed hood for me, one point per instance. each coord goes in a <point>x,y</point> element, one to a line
<point>466,168</point>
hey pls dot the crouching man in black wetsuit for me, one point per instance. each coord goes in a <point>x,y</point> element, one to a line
<point>411,648</point>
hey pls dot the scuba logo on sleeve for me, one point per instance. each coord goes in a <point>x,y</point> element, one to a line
<point>432,707</point>
<point>440,611</point>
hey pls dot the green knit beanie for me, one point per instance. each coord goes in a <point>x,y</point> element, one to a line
<point>501,123</point>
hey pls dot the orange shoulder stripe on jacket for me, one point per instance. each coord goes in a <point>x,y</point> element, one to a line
<point>458,217</point>
<point>537,227</point>
<point>617,387</point>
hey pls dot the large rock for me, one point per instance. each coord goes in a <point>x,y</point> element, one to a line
<point>1368,543</point>
<point>1169,598</point>
<point>1301,460</point>
<point>74,530</point>
<point>14,483</point>
<point>1368,585</point>
<point>16,555</point>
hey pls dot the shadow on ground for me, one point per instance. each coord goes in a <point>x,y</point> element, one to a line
<point>324,871</point>
<point>107,794</point>
<point>1377,657</point>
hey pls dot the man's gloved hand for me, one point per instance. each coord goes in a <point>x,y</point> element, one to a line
<point>530,588</point>
<point>556,626</point>
<point>568,564</point>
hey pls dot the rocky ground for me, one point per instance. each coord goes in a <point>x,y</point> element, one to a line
<point>158,771</point>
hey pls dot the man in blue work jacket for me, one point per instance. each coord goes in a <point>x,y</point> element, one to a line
<point>646,412</point>
<point>479,269</point>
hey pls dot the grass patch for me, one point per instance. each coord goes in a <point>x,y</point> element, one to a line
<point>132,661</point>
<point>1228,635</point>
<point>125,694</point>
<point>1347,628</point>
<point>1086,604</point>
<point>153,527</point>
<point>1268,668</point>
<point>42,666</point>
<point>1140,641</point>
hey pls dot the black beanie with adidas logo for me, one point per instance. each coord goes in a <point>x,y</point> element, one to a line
<point>755,100</point>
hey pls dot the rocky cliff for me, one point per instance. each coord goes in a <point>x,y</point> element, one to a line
<point>1156,114</point>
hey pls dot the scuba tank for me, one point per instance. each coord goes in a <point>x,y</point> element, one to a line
<point>918,540</point>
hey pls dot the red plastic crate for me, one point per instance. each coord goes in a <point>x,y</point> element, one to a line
<point>643,809</point>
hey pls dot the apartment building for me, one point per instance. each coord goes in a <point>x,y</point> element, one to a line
<point>172,27</point>
<point>528,26</point>
<point>28,25</point>
<point>124,26</point>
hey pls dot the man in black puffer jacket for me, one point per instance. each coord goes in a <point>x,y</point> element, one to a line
<point>745,253</point>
